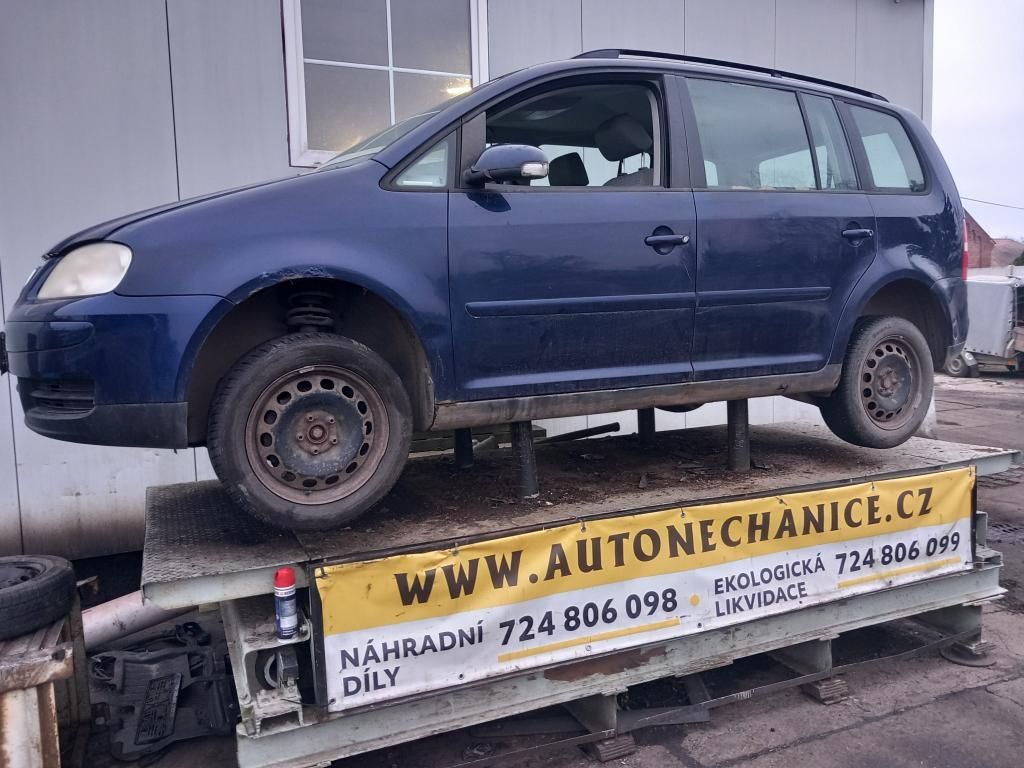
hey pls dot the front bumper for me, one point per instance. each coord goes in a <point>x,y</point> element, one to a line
<point>140,425</point>
<point>108,370</point>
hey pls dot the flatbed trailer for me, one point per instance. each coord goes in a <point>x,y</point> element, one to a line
<point>841,538</point>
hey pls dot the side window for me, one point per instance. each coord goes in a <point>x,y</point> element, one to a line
<point>891,157</point>
<point>835,165</point>
<point>601,135</point>
<point>753,137</point>
<point>430,169</point>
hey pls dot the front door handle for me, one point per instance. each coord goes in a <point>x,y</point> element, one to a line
<point>667,241</point>
<point>856,236</point>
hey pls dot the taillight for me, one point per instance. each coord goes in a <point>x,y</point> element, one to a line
<point>963,267</point>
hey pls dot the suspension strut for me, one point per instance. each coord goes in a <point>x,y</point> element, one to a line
<point>310,311</point>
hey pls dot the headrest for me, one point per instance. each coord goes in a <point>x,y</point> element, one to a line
<point>622,136</point>
<point>568,171</point>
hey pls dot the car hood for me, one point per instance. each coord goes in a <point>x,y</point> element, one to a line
<point>107,228</point>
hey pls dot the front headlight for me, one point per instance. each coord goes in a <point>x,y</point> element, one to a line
<point>87,270</point>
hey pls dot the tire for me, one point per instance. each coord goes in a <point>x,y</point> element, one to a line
<point>309,431</point>
<point>35,590</point>
<point>885,388</point>
<point>958,367</point>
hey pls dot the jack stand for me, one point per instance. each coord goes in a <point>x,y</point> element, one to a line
<point>525,459</point>
<point>739,435</point>
<point>645,425</point>
<point>599,715</point>
<point>810,658</point>
<point>463,448</point>
<point>964,620</point>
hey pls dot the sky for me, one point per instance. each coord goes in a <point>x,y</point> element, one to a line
<point>978,106</point>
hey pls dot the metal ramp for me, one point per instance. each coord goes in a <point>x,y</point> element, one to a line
<point>201,550</point>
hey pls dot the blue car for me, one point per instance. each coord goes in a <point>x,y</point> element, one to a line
<point>621,230</point>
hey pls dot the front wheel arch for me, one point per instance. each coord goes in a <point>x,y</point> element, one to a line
<point>362,316</point>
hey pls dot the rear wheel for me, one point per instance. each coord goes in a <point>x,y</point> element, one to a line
<point>885,388</point>
<point>309,431</point>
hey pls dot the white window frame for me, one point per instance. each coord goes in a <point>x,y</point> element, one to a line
<point>291,10</point>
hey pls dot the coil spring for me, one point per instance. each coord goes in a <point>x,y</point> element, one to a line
<point>310,309</point>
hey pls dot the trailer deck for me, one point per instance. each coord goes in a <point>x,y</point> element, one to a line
<point>200,549</point>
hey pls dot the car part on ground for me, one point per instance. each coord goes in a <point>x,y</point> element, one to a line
<point>962,366</point>
<point>310,430</point>
<point>886,386</point>
<point>171,688</point>
<point>35,590</point>
<point>102,624</point>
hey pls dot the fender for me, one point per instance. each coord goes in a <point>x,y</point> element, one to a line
<point>875,279</point>
<point>436,363</point>
<point>336,224</point>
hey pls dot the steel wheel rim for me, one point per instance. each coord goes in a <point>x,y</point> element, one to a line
<point>13,574</point>
<point>889,380</point>
<point>956,364</point>
<point>316,435</point>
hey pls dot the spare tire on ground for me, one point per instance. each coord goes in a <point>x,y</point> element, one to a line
<point>35,590</point>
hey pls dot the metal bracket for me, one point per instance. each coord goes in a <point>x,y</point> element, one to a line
<point>265,667</point>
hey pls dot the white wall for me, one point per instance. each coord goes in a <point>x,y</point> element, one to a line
<point>113,106</point>
<point>880,45</point>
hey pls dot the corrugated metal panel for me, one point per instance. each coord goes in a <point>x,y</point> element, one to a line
<point>525,32</point>
<point>890,50</point>
<point>227,65</point>
<point>740,30</point>
<point>652,25</point>
<point>93,139</point>
<point>816,37</point>
<point>10,519</point>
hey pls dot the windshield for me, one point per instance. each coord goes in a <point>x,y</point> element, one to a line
<point>368,147</point>
<point>377,142</point>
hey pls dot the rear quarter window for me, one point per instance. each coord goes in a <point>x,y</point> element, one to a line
<point>892,159</point>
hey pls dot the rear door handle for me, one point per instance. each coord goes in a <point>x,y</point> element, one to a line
<point>660,240</point>
<point>856,235</point>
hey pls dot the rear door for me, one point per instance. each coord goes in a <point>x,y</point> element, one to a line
<point>783,232</point>
<point>558,287</point>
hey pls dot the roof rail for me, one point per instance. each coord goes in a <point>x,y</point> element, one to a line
<point>615,53</point>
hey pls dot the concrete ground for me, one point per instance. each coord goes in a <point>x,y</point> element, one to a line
<point>923,711</point>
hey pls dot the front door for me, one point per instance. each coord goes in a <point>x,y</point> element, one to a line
<point>783,234</point>
<point>558,287</point>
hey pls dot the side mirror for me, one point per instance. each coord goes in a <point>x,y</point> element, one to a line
<point>507,162</point>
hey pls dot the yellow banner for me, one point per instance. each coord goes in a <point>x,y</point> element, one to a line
<point>521,567</point>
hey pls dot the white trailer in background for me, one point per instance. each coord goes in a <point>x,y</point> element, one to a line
<point>995,308</point>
